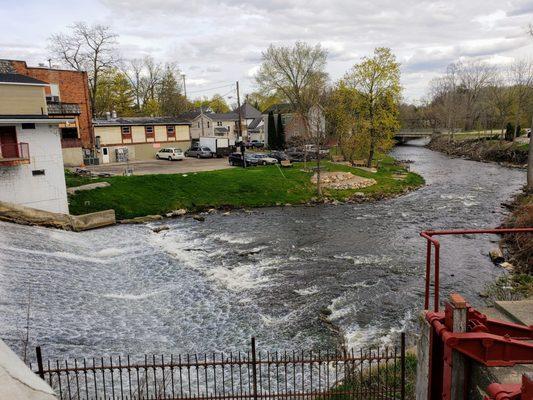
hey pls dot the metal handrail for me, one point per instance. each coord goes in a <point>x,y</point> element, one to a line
<point>428,235</point>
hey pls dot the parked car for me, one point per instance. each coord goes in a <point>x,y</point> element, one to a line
<point>235,159</point>
<point>255,144</point>
<point>170,154</point>
<point>278,155</point>
<point>200,152</point>
<point>263,159</point>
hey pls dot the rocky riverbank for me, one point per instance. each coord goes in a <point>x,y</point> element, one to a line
<point>483,149</point>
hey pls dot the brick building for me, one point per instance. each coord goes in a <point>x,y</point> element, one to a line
<point>67,96</point>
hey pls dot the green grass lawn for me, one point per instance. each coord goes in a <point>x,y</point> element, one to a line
<point>134,196</point>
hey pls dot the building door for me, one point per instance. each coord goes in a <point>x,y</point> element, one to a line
<point>8,142</point>
<point>105,155</point>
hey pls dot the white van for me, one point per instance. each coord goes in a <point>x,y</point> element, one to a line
<point>170,154</point>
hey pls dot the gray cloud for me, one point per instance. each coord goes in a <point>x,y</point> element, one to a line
<point>222,40</point>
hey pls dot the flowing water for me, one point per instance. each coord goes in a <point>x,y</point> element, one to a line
<point>274,273</point>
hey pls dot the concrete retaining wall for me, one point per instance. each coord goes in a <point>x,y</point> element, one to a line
<point>18,382</point>
<point>93,220</point>
<point>30,216</point>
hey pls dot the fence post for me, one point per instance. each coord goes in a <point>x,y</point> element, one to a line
<point>402,352</point>
<point>40,361</point>
<point>254,369</point>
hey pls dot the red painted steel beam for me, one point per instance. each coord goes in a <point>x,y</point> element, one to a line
<point>429,236</point>
<point>498,391</point>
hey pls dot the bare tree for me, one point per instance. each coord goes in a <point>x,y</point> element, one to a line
<point>86,48</point>
<point>297,73</point>
<point>473,76</point>
<point>500,99</point>
<point>134,72</point>
<point>521,79</point>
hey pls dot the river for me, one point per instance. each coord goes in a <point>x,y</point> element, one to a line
<point>210,286</point>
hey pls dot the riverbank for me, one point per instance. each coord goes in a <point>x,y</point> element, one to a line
<point>482,149</point>
<point>516,254</point>
<point>139,196</point>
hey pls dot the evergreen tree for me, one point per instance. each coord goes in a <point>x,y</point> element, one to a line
<point>272,139</point>
<point>280,135</point>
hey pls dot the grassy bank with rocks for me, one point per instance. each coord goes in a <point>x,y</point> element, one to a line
<point>138,196</point>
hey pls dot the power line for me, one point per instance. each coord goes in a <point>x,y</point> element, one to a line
<point>212,88</point>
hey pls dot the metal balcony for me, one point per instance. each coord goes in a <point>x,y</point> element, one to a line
<point>59,108</point>
<point>13,154</point>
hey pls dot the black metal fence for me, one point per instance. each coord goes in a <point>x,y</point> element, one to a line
<point>365,374</point>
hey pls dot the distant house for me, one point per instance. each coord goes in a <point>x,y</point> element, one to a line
<point>138,138</point>
<point>67,96</point>
<point>213,125</point>
<point>31,161</point>
<point>225,125</point>
<point>293,124</point>
<point>252,119</point>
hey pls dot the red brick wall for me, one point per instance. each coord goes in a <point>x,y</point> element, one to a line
<point>73,88</point>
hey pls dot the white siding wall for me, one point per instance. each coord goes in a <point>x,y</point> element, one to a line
<point>45,192</point>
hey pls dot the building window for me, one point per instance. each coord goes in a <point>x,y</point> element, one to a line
<point>37,172</point>
<point>28,126</point>
<point>126,132</point>
<point>171,131</point>
<point>149,132</point>
<point>208,124</point>
<point>219,123</point>
<point>198,124</point>
<point>69,133</point>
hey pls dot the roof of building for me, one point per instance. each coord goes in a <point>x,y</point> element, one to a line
<point>248,111</point>
<point>140,121</point>
<point>231,116</point>
<point>189,116</point>
<point>17,78</point>
<point>279,108</point>
<point>255,123</point>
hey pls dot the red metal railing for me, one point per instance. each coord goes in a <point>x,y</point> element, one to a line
<point>429,236</point>
<point>14,151</point>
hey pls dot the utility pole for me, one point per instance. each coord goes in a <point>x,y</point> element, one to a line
<point>184,86</point>
<point>202,118</point>
<point>239,112</point>
<point>530,161</point>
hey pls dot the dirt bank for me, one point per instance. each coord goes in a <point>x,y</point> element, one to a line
<point>483,149</point>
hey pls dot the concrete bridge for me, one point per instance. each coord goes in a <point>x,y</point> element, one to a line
<point>405,135</point>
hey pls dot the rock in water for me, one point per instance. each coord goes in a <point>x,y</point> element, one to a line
<point>496,255</point>
<point>198,218</point>
<point>507,266</point>
<point>158,229</point>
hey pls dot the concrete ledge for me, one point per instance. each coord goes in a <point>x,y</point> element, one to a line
<point>520,311</point>
<point>18,382</point>
<point>30,216</point>
<point>93,220</point>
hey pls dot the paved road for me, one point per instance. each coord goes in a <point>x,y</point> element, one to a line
<point>163,166</point>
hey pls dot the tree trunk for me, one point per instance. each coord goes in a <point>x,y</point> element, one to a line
<point>372,150</point>
<point>530,162</point>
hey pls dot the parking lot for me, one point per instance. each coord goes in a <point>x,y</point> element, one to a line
<point>162,166</point>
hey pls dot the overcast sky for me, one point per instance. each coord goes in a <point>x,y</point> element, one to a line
<point>219,42</point>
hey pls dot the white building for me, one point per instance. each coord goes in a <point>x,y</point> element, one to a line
<point>31,161</point>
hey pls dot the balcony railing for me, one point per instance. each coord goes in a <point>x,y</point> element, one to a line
<point>59,108</point>
<point>12,154</point>
<point>70,142</point>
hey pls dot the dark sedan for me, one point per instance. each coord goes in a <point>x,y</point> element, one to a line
<point>235,159</point>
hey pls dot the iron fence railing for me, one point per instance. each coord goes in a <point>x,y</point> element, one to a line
<point>364,374</point>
